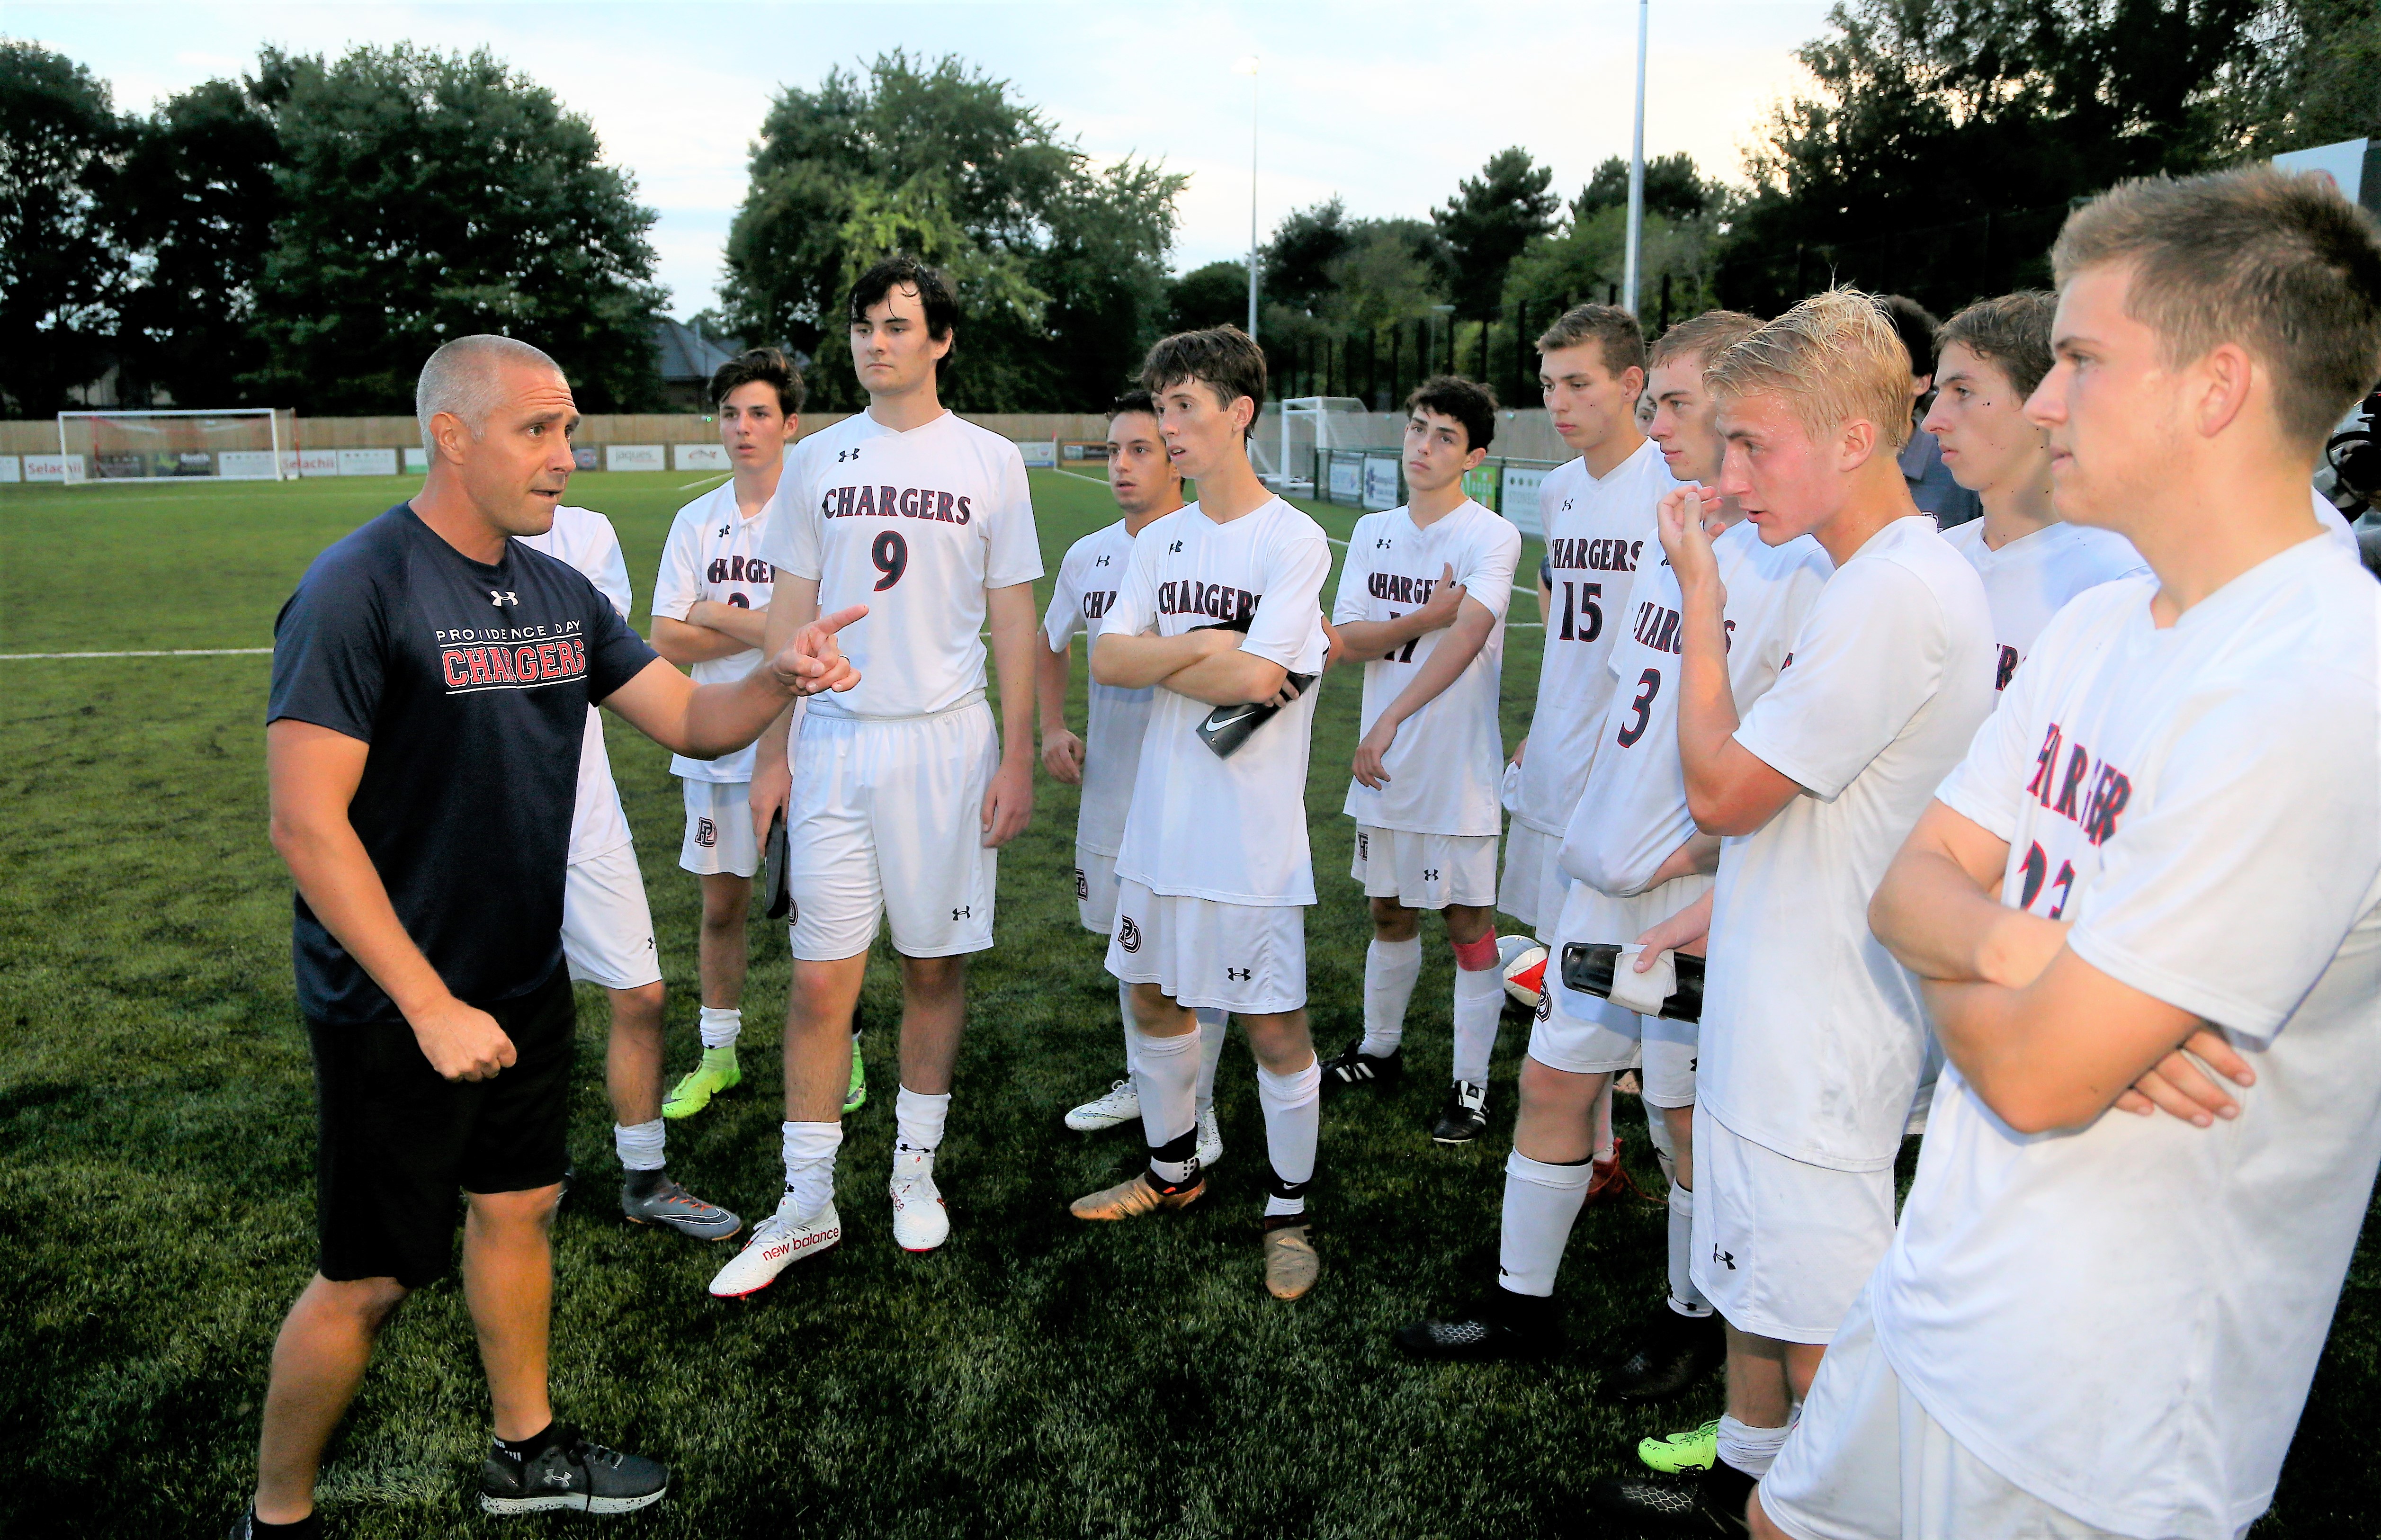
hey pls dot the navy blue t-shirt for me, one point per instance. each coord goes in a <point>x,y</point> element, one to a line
<point>471,685</point>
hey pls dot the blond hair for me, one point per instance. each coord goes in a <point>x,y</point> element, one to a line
<point>1703,336</point>
<point>1833,359</point>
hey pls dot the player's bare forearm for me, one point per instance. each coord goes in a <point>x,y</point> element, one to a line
<point>1015,640</point>
<point>793,604</point>
<point>1232,677</point>
<point>771,771</point>
<point>1937,911</point>
<point>684,642</point>
<point>1050,670</point>
<point>1447,661</point>
<point>1699,852</point>
<point>1686,931</point>
<point>706,721</point>
<point>1730,789</point>
<point>748,628</point>
<point>1138,662</point>
<point>2059,1051</point>
<point>1368,641</point>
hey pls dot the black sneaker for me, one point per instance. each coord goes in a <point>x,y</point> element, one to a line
<point>570,1472</point>
<point>1465,1116</point>
<point>247,1527</point>
<point>1506,1325</point>
<point>1351,1066</point>
<point>1709,1503</point>
<point>1673,1354</point>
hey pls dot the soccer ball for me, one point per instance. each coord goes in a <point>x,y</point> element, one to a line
<point>1525,972</point>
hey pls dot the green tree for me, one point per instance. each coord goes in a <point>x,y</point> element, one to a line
<point>2326,84</point>
<point>1059,266</point>
<point>1489,221</point>
<point>1673,189</point>
<point>1299,259</point>
<point>427,196</point>
<point>1215,295</point>
<point>60,268</point>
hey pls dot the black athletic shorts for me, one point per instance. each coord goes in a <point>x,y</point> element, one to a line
<point>395,1141</point>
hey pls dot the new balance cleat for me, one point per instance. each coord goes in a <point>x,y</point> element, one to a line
<point>1696,1450</point>
<point>718,1072</point>
<point>1701,1503</point>
<point>778,1242</point>
<point>1135,1196</point>
<point>1211,1140</point>
<point>570,1474</point>
<point>1504,1326</point>
<point>855,1096</point>
<point>1291,1262</point>
<point>1122,1105</point>
<point>673,1207</point>
<point>1674,1353</point>
<point>1352,1065</point>
<point>1465,1116</point>
<point>921,1223</point>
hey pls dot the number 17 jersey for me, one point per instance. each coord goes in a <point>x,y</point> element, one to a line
<point>916,526</point>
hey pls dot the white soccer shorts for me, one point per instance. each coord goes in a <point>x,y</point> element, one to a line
<point>1425,871</point>
<point>1249,958</point>
<point>885,819</point>
<point>1667,1048</point>
<point>1781,1247</point>
<point>1867,1463</point>
<point>1095,890</point>
<point>1532,888</point>
<point>607,928</point>
<point>718,829</point>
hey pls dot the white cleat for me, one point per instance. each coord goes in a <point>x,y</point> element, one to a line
<point>1122,1105</point>
<point>921,1223</point>
<point>1211,1140</point>
<point>778,1242</point>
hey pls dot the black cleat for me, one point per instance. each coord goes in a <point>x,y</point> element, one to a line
<point>1351,1066</point>
<point>1711,1503</point>
<point>567,1472</point>
<point>247,1527</point>
<point>1504,1326</point>
<point>1465,1116</point>
<point>1673,1354</point>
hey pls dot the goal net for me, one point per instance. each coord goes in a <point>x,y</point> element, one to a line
<point>1289,432</point>
<point>244,444</point>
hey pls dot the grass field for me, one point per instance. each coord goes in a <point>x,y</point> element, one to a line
<point>1035,1377</point>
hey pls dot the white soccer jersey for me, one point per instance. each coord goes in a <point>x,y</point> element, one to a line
<point>585,539</point>
<point>2123,1318</point>
<point>1444,765</point>
<point>714,551</point>
<point>1088,578</point>
<point>1820,1036</point>
<point>1595,532</point>
<point>916,526</point>
<point>2030,578</point>
<point>1633,814</point>
<point>1230,830</point>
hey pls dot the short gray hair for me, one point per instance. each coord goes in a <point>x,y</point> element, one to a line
<point>461,379</point>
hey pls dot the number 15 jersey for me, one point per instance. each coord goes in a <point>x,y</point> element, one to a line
<point>916,526</point>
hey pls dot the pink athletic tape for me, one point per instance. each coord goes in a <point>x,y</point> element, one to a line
<point>1474,956</point>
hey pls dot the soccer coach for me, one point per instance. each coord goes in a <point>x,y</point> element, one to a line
<point>431,679</point>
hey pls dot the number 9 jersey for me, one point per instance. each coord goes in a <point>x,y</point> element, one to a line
<point>916,526</point>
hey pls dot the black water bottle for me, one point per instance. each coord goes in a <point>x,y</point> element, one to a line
<point>1587,966</point>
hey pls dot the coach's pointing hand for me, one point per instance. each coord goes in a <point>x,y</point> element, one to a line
<point>812,662</point>
<point>462,1043</point>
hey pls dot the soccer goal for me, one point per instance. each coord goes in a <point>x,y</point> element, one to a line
<point>1289,432</point>
<point>239,444</point>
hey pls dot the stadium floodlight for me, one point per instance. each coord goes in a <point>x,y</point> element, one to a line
<point>235,443</point>
<point>1249,68</point>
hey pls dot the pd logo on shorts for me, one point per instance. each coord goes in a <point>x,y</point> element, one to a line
<point>1545,1004</point>
<point>1082,884</point>
<point>706,833</point>
<point>1363,846</point>
<point>1127,935</point>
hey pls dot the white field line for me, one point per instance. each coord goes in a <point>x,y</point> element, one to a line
<point>171,653</point>
<point>705,480</point>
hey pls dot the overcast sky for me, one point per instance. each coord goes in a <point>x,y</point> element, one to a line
<point>1387,105</point>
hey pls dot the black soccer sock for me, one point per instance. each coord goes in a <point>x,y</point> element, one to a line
<point>641,1184</point>
<point>532,1446</point>
<point>308,1528</point>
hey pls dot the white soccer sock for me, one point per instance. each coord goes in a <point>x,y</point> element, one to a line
<point>1294,1120</point>
<point>1685,1298</point>
<point>1479,1001</point>
<point>1541,1202</point>
<point>1603,1120</point>
<point>1211,1052</point>
<point>810,1165</point>
<point>1748,1448</point>
<point>639,1145</point>
<point>1124,1009</point>
<point>1390,968</point>
<point>720,1026</point>
<point>1666,1150</point>
<point>1166,1074</point>
<point>917,1118</point>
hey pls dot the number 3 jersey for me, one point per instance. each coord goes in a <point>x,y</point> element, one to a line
<point>1444,765</point>
<point>714,551</point>
<point>916,526</point>
<point>1633,814</point>
<point>1596,530</point>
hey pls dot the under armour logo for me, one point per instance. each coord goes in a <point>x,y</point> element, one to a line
<point>723,531</point>
<point>1382,545</point>
<point>1175,549</point>
<point>963,911</point>
<point>842,455</point>
<point>1101,562</point>
<point>501,598</point>
<point>1238,975</point>
<point>1726,1258</point>
<point>1430,873</point>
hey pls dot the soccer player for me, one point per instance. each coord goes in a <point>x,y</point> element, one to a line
<point>1990,357</point>
<point>1219,608</point>
<point>2157,867</point>
<point>607,928</point>
<point>1932,485</point>
<point>902,791</point>
<point>1598,514</point>
<point>431,679</point>
<point>1422,606</point>
<point>1146,487</point>
<point>1808,1077</point>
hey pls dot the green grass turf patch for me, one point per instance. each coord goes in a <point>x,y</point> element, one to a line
<point>1036,1376</point>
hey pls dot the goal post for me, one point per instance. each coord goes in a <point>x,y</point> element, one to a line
<point>235,443</point>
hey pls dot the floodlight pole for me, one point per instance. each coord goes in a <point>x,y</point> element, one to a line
<point>1636,174</point>
<point>1250,64</point>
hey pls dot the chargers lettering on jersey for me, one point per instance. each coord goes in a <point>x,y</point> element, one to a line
<point>2094,811</point>
<point>894,502</point>
<point>1097,604</point>
<point>1215,601</point>
<point>1595,555</point>
<point>1398,589</point>
<point>1657,627</point>
<point>2010,660</point>
<point>738,569</point>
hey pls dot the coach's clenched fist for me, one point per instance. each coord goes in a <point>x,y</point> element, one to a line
<point>462,1043</point>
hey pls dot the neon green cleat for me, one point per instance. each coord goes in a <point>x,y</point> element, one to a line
<point>855,1096</point>
<point>1681,1452</point>
<point>718,1072</point>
